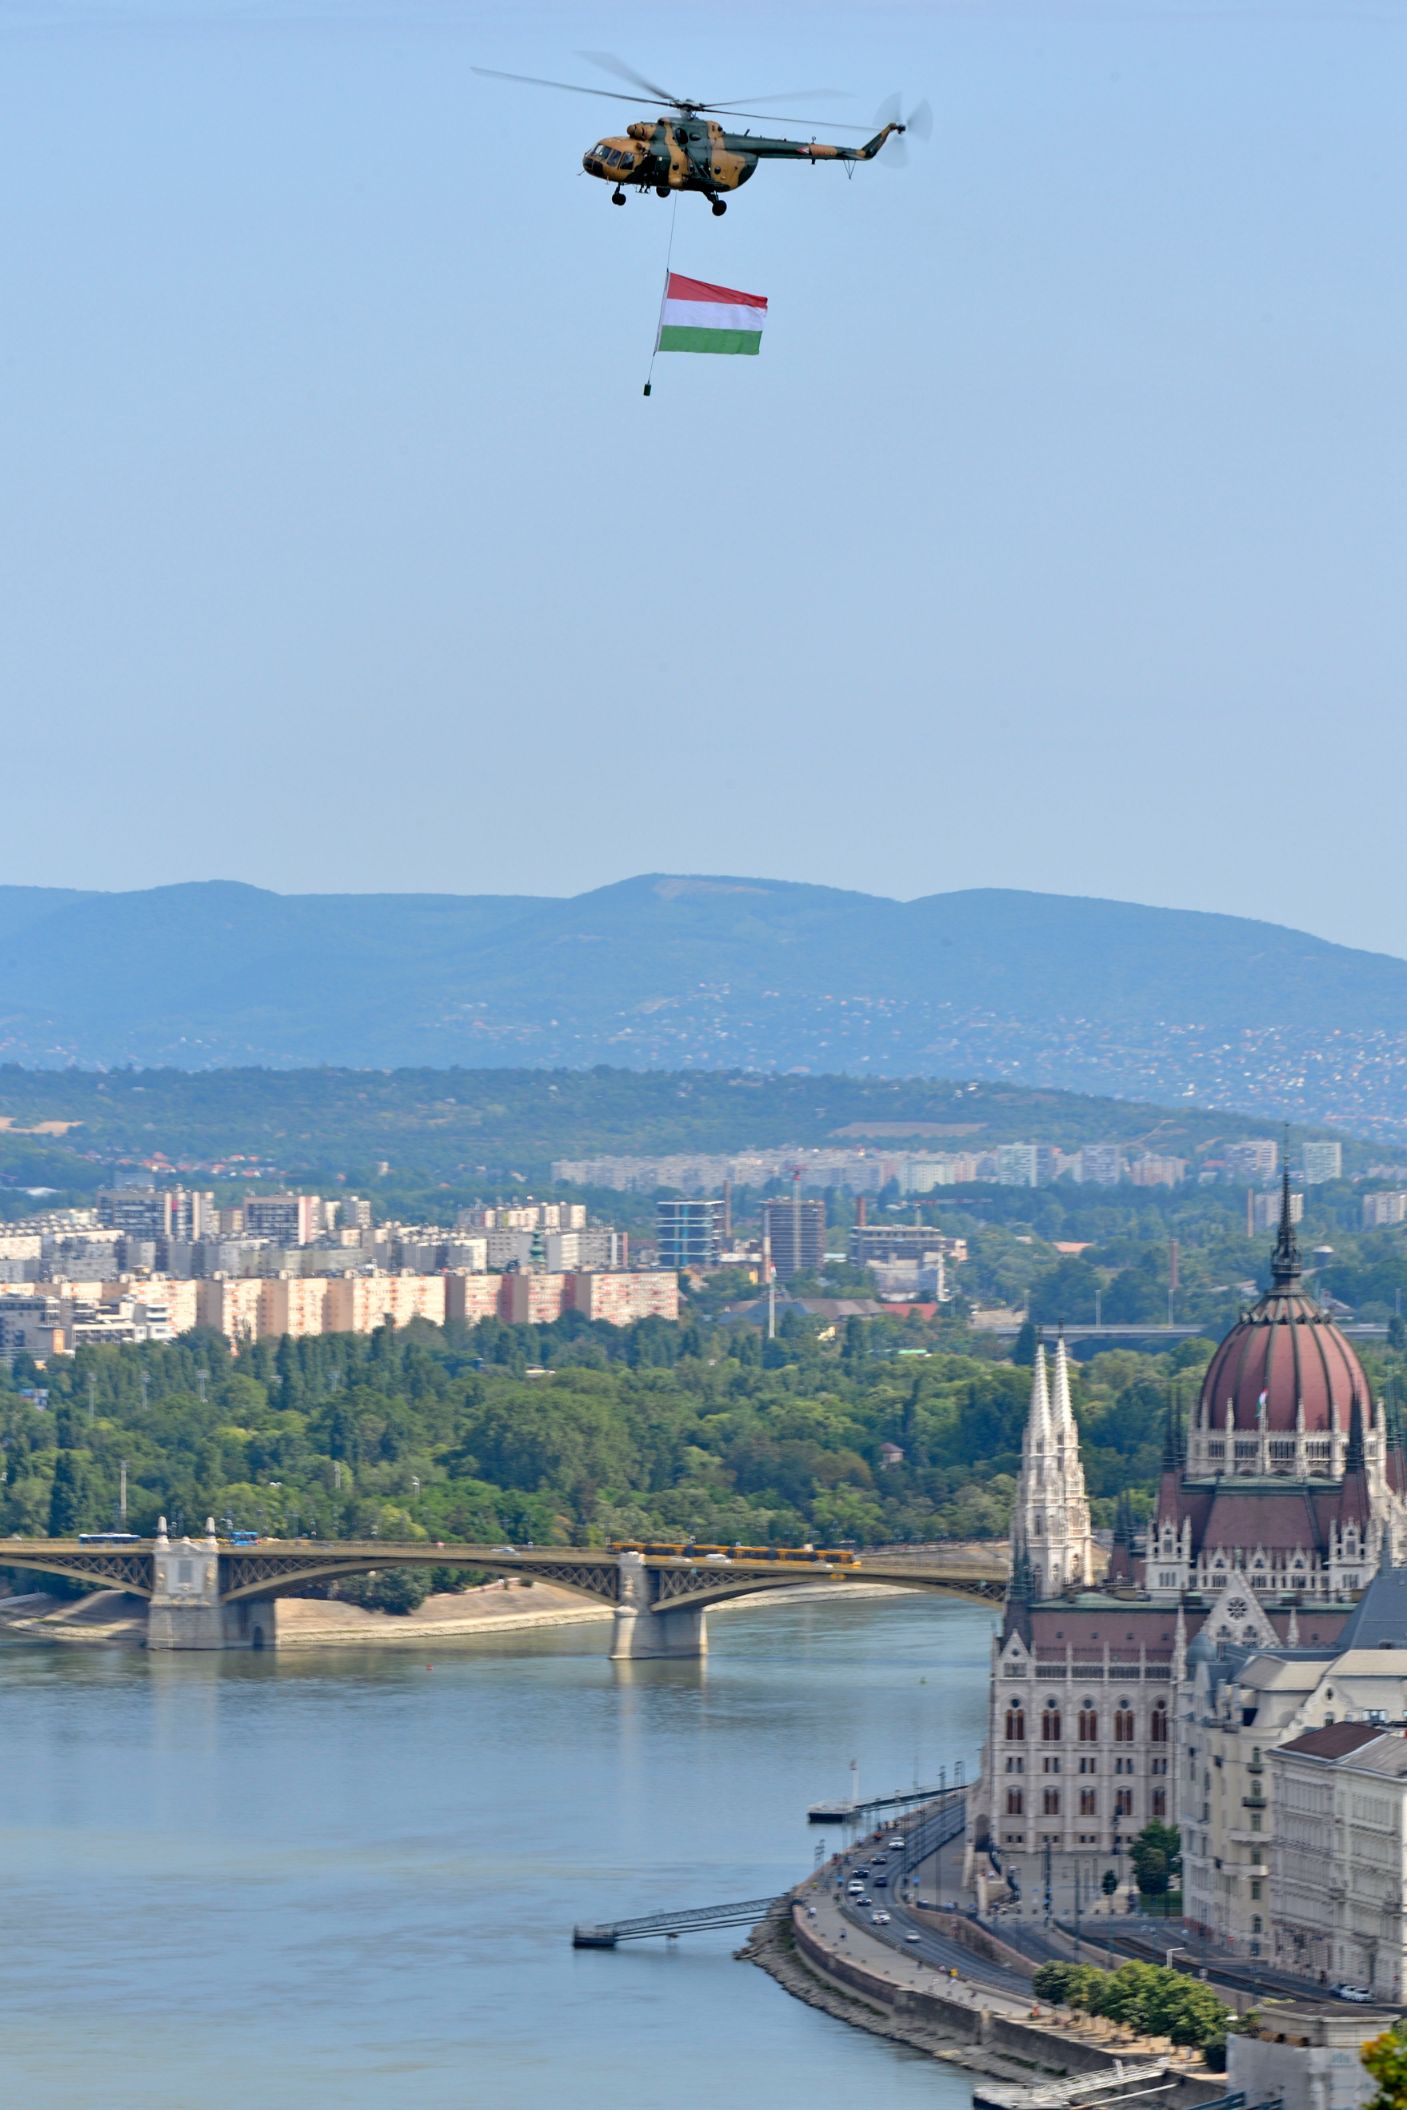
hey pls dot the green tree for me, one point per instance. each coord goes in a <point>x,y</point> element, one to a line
<point>1386,2060</point>
<point>1157,1858</point>
<point>66,1497</point>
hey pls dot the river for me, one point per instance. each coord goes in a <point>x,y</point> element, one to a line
<point>345,1880</point>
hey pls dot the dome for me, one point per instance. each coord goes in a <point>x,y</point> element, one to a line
<point>1288,1352</point>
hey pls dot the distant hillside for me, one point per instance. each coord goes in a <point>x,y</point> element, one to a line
<point>710,973</point>
<point>67,1128</point>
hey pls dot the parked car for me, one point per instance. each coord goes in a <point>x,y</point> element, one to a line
<point>1357,1993</point>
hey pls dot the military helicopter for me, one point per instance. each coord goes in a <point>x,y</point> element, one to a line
<point>694,149</point>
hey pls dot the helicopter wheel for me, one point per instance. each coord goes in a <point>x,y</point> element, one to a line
<point>719,208</point>
<point>617,197</point>
<point>661,190</point>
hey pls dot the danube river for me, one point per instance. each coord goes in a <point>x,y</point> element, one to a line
<point>348,1881</point>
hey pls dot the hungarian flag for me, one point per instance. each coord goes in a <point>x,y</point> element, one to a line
<point>701,318</point>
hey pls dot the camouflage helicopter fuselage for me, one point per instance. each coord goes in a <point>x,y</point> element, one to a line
<point>690,153</point>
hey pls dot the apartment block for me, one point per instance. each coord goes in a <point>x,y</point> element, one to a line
<point>1381,1210</point>
<point>620,1299</point>
<point>1321,1161</point>
<point>1257,1159</point>
<point>471,1297</point>
<point>283,1219</point>
<point>361,1303</point>
<point>689,1234</point>
<point>796,1234</point>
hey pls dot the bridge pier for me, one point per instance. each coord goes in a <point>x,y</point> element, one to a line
<point>186,1610</point>
<point>643,1631</point>
<point>641,1636</point>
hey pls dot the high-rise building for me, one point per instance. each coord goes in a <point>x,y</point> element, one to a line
<point>1380,1210</point>
<point>283,1219</point>
<point>1256,1159</point>
<point>1321,1160</point>
<point>795,1230</point>
<point>1265,1210</point>
<point>1102,1164</point>
<point>1016,1164</point>
<point>688,1233</point>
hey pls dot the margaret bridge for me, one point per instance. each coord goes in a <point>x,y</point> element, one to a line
<point>206,1593</point>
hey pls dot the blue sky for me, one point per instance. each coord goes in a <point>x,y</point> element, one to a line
<point>1055,540</point>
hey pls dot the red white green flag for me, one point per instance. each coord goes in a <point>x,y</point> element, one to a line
<point>697,317</point>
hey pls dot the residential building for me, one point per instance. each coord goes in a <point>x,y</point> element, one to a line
<point>869,1245</point>
<point>1339,1883</point>
<point>471,1297</point>
<point>1381,1210</point>
<point>795,1230</point>
<point>689,1234</point>
<point>361,1303</point>
<point>1017,1164</point>
<point>1149,1170</point>
<point>283,1219</point>
<point>1263,1211</point>
<point>621,1299</point>
<point>1102,1164</point>
<point>1257,1159</point>
<point>1321,1160</point>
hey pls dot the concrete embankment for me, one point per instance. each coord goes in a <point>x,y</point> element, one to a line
<point>960,2021</point>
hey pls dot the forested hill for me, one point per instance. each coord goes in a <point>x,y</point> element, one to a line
<point>683,973</point>
<point>68,1128</point>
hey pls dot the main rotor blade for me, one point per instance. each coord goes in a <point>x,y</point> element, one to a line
<point>535,80</point>
<point>798,95</point>
<point>609,63</point>
<point>774,117</point>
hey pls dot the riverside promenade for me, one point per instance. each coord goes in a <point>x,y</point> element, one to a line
<point>914,1982</point>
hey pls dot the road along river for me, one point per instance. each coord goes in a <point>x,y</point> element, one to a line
<point>349,1879</point>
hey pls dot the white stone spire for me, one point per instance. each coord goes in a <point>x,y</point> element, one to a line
<point>1050,1520</point>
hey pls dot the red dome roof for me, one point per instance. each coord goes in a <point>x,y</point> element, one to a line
<point>1289,1350</point>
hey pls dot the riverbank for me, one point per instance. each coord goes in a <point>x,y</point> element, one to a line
<point>111,1619</point>
<point>1010,2039</point>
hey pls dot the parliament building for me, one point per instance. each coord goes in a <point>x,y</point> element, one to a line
<point>1275,1506</point>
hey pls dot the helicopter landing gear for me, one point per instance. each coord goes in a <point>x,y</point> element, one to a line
<point>661,190</point>
<point>718,208</point>
<point>617,197</point>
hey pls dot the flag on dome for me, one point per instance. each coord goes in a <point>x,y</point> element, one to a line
<point>697,317</point>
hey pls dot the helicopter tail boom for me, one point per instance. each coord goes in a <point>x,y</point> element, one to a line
<point>807,149</point>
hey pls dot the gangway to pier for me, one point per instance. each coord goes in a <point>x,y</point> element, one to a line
<point>746,1913</point>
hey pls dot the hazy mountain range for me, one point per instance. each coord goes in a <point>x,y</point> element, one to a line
<point>663,972</point>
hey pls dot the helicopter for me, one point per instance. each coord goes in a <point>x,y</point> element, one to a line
<point>693,149</point>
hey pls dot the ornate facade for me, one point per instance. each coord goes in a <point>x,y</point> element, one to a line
<point>1275,1506</point>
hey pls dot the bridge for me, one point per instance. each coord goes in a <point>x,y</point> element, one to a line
<point>207,1593</point>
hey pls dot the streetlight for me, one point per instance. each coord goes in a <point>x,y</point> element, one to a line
<point>1176,1950</point>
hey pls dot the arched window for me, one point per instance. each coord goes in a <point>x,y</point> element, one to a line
<point>1089,1723</point>
<point>1123,1723</point>
<point>1158,1723</point>
<point>1050,1723</point>
<point>1015,1802</point>
<point>1015,1724</point>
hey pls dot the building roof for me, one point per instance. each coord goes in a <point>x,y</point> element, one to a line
<point>1379,1619</point>
<point>1337,1740</point>
<point>1287,1354</point>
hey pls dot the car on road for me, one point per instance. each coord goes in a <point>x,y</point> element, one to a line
<point>879,1919</point>
<point>505,1549</point>
<point>896,1846</point>
<point>1358,1993</point>
<point>880,1880</point>
<point>912,1937</point>
<point>721,1560</point>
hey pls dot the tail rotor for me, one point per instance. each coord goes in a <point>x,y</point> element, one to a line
<point>915,128</point>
